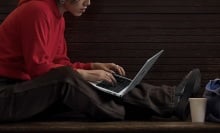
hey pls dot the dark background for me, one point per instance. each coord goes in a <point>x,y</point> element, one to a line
<point>128,32</point>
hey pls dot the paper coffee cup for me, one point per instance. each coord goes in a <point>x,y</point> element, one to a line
<point>198,109</point>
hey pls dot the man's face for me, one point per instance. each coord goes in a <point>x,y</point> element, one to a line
<point>76,8</point>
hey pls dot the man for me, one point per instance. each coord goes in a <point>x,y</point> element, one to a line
<point>36,74</point>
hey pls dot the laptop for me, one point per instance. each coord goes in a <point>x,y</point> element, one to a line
<point>125,84</point>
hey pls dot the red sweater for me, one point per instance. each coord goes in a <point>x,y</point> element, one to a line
<point>32,41</point>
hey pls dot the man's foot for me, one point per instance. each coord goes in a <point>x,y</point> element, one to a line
<point>187,88</point>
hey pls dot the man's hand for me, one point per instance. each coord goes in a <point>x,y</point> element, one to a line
<point>102,72</point>
<point>97,75</point>
<point>109,67</point>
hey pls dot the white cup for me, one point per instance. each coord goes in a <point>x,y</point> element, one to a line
<point>198,109</point>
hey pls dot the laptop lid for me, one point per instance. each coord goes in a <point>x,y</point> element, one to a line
<point>142,72</point>
<point>136,80</point>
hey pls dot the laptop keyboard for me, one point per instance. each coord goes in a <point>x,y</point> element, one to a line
<point>120,85</point>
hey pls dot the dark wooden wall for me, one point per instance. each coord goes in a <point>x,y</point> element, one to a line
<point>128,32</point>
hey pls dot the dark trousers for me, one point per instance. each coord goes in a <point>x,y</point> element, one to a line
<point>20,100</point>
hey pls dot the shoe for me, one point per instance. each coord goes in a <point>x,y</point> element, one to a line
<point>187,88</point>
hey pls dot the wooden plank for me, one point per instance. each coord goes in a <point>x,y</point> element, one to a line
<point>154,9</point>
<point>142,17</point>
<point>139,39</point>
<point>8,2</point>
<point>141,46</point>
<point>141,25</point>
<point>162,61</point>
<point>187,53</point>
<point>156,2</point>
<point>7,9</point>
<point>147,31</point>
<point>151,126</point>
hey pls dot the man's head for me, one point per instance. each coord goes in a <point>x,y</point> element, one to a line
<point>75,7</point>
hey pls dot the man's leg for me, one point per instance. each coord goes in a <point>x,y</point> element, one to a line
<point>162,100</point>
<point>147,100</point>
<point>26,99</point>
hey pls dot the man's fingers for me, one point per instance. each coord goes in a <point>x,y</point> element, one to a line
<point>110,78</point>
